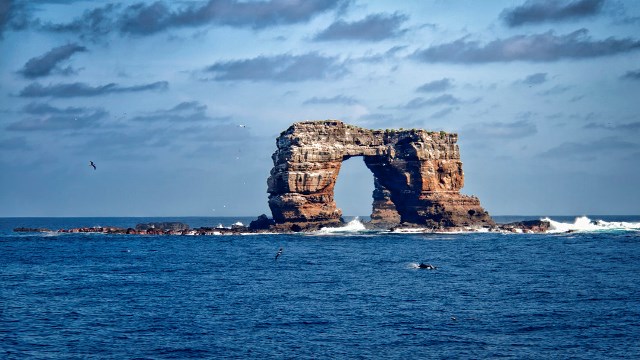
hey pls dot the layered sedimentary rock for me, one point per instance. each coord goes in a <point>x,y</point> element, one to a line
<point>417,175</point>
<point>384,210</point>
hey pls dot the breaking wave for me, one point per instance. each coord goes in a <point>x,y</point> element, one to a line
<point>409,231</point>
<point>353,226</point>
<point>584,224</point>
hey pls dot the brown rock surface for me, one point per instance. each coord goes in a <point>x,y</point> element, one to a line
<point>417,173</point>
<point>535,226</point>
<point>384,213</point>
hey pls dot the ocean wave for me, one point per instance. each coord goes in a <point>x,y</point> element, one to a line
<point>353,226</point>
<point>584,224</point>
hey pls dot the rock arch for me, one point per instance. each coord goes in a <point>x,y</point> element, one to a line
<point>417,176</point>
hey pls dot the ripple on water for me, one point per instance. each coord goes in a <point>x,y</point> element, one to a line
<point>521,296</point>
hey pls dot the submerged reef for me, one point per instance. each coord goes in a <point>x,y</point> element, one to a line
<point>531,226</point>
<point>164,228</point>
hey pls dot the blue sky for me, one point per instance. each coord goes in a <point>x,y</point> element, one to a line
<point>543,94</point>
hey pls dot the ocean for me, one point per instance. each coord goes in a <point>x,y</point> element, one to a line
<point>336,294</point>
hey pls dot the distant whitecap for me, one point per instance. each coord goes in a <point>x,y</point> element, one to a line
<point>353,226</point>
<point>584,224</point>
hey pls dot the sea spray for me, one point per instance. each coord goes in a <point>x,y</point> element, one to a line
<point>353,226</point>
<point>584,224</point>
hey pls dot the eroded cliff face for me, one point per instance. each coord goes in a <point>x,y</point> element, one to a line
<point>417,176</point>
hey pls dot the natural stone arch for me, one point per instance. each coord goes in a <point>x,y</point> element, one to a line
<point>417,176</point>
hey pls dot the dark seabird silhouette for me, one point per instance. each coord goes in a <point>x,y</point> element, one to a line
<point>426,266</point>
<point>279,253</point>
<point>92,164</point>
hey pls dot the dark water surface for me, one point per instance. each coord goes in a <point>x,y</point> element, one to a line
<point>336,296</point>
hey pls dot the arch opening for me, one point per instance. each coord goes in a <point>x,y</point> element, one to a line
<point>354,188</point>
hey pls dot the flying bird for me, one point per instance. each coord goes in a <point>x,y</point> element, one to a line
<point>279,253</point>
<point>92,165</point>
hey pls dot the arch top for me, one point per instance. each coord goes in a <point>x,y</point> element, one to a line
<point>418,175</point>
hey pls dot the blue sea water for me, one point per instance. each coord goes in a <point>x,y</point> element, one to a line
<point>355,295</point>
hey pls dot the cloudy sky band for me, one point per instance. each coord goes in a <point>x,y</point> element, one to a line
<point>158,82</point>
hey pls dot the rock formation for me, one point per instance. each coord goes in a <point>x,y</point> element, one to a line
<point>261,223</point>
<point>527,226</point>
<point>174,226</point>
<point>417,176</point>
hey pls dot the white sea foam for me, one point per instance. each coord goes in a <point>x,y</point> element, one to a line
<point>353,226</point>
<point>237,223</point>
<point>584,224</point>
<point>440,231</point>
<point>409,230</point>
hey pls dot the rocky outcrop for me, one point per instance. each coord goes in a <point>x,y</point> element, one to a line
<point>261,223</point>
<point>527,226</point>
<point>174,230</point>
<point>384,213</point>
<point>265,225</point>
<point>28,229</point>
<point>417,175</point>
<point>163,226</point>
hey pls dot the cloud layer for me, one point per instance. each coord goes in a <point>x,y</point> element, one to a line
<point>625,128</point>
<point>374,27</point>
<point>420,102</point>
<point>43,65</point>
<point>542,11</point>
<point>44,117</point>
<point>535,79</point>
<point>5,9</point>
<point>436,85</point>
<point>151,18</point>
<point>590,150</point>
<point>79,89</point>
<point>500,130</point>
<point>632,75</point>
<point>13,15</point>
<point>338,99</point>
<point>93,23</point>
<point>279,68</point>
<point>185,112</point>
<point>537,47</point>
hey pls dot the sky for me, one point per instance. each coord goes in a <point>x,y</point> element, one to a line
<point>179,103</point>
